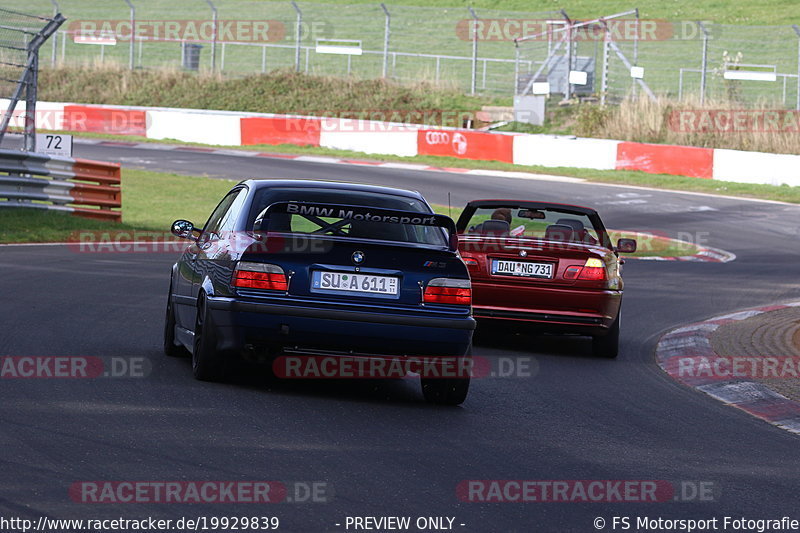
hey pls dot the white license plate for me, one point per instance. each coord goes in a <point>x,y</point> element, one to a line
<point>348,282</point>
<point>526,269</point>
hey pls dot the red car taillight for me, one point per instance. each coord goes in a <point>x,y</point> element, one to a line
<point>259,276</point>
<point>448,291</point>
<point>471,262</point>
<point>593,270</point>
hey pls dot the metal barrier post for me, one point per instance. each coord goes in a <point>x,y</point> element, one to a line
<point>56,9</point>
<point>796,29</point>
<point>568,88</point>
<point>386,31</point>
<point>635,52</point>
<point>215,21</point>
<point>703,74</point>
<point>133,33</point>
<point>30,101</point>
<point>298,29</point>
<point>604,76</point>
<point>474,80</point>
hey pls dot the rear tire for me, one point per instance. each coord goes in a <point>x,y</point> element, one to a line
<point>207,363</point>
<point>170,348</point>
<point>447,391</point>
<point>607,346</point>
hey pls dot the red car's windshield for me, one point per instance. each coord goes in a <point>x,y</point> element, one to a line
<point>543,224</point>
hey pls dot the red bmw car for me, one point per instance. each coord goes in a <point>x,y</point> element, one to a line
<point>547,265</point>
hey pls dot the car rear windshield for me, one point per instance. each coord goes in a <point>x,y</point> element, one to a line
<point>542,224</point>
<point>305,224</point>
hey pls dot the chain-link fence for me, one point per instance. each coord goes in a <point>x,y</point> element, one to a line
<point>239,37</point>
<point>469,50</point>
<point>623,56</point>
<point>21,36</point>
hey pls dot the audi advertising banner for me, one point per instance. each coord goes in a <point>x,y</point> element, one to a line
<point>466,144</point>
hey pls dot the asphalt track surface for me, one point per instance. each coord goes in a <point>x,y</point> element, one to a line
<point>382,450</point>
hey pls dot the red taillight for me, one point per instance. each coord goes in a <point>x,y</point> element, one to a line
<point>593,270</point>
<point>259,276</point>
<point>593,273</point>
<point>471,263</point>
<point>448,291</point>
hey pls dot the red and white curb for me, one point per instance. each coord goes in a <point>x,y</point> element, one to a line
<point>703,255</point>
<point>235,129</point>
<point>693,342</point>
<point>334,160</point>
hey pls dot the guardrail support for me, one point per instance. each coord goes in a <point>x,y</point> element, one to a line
<point>133,34</point>
<point>30,102</point>
<point>704,73</point>
<point>215,22</point>
<point>606,51</point>
<point>386,32</point>
<point>796,29</point>
<point>474,81</point>
<point>298,37</point>
<point>56,10</point>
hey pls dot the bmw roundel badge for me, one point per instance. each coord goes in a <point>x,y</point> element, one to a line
<point>523,253</point>
<point>358,257</point>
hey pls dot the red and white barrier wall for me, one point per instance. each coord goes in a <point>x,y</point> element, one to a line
<point>237,129</point>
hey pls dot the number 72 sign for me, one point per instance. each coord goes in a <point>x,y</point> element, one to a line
<point>54,144</point>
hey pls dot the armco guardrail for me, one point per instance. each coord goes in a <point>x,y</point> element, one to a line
<point>79,186</point>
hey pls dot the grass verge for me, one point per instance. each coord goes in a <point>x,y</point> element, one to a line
<point>303,94</point>
<point>152,200</point>
<point>782,193</point>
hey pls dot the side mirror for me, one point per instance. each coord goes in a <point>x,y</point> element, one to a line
<point>183,229</point>
<point>626,246</point>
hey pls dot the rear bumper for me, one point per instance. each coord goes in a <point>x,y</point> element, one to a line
<point>558,310</point>
<point>241,323</point>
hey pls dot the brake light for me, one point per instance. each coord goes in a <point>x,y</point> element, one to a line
<point>592,270</point>
<point>448,291</point>
<point>471,263</point>
<point>259,276</point>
